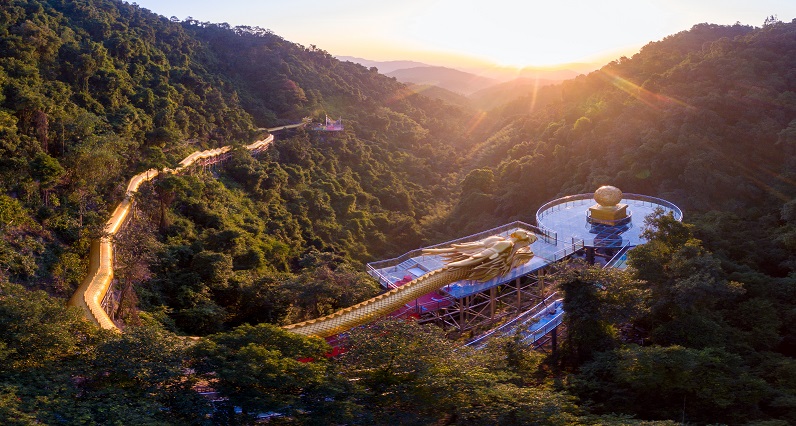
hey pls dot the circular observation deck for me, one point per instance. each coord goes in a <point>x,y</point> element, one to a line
<point>570,217</point>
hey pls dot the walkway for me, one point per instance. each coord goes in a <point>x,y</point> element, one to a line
<point>534,324</point>
<point>92,290</point>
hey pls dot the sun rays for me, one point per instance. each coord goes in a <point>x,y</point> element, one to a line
<point>645,96</point>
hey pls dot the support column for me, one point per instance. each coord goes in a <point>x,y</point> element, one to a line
<point>554,339</point>
<point>542,292</point>
<point>590,255</point>
<point>519,294</point>
<point>492,296</point>
<point>462,307</point>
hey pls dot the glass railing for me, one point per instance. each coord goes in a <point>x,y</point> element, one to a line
<point>581,199</point>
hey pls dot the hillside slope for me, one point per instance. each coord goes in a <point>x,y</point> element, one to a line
<point>94,91</point>
<point>703,118</point>
<point>436,92</point>
<point>504,93</point>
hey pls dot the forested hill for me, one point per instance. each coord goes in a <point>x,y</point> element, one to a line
<point>704,118</point>
<point>93,91</point>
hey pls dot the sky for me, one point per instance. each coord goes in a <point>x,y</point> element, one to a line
<point>464,33</point>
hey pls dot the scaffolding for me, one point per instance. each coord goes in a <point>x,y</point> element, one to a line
<point>537,327</point>
<point>469,307</point>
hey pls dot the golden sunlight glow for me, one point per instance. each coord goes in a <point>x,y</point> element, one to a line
<point>522,33</point>
<point>476,121</point>
<point>469,33</point>
<point>651,99</point>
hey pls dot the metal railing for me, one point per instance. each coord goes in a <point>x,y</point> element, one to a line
<point>549,326</point>
<point>576,244</point>
<point>581,199</point>
<point>619,258</point>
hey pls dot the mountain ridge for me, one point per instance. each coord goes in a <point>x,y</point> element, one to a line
<point>384,67</point>
<point>447,78</point>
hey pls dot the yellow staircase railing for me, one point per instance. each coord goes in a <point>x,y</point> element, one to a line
<point>92,290</point>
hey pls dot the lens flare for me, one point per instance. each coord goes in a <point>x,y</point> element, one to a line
<point>476,121</point>
<point>647,97</point>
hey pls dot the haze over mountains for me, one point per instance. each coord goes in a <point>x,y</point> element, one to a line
<point>482,88</point>
<point>384,67</point>
<point>499,73</point>
<point>446,78</point>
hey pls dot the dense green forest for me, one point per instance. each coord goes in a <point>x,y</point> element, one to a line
<point>96,91</point>
<point>704,118</point>
<point>700,329</point>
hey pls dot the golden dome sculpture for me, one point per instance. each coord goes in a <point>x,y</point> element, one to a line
<point>608,196</point>
<point>608,211</point>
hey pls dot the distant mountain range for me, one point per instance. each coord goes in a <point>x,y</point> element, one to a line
<point>454,80</point>
<point>482,88</point>
<point>384,67</point>
<point>436,92</point>
<point>451,79</point>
